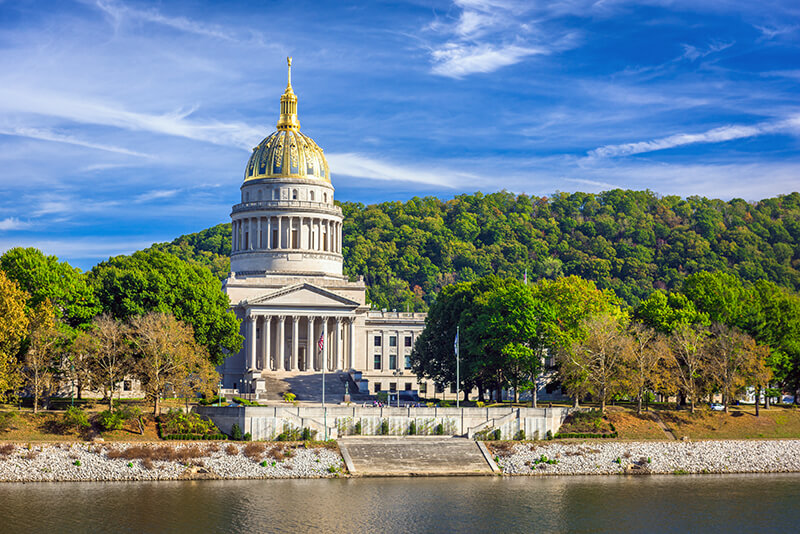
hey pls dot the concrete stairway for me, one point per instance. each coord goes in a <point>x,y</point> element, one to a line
<point>308,386</point>
<point>415,456</point>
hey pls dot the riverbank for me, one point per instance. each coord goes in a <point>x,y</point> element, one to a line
<point>45,462</point>
<point>592,457</point>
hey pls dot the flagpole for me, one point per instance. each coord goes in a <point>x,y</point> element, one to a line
<point>458,366</point>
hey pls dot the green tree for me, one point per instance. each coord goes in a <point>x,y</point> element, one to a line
<point>128,286</point>
<point>40,362</point>
<point>45,278</point>
<point>666,312</point>
<point>109,354</point>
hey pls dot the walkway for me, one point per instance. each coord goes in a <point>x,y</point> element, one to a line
<point>415,456</point>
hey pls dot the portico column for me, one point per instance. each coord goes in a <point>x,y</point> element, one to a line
<point>281,343</point>
<point>311,351</point>
<point>351,342</point>
<point>339,364</point>
<point>266,327</point>
<point>280,232</point>
<point>295,324</point>
<point>258,226</point>
<point>326,349</point>
<point>250,232</point>
<point>251,343</point>
<point>233,236</point>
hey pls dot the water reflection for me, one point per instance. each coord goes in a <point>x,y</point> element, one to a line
<point>732,503</point>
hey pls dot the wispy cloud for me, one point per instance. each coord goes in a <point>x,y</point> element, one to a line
<point>715,135</point>
<point>361,166</point>
<point>156,195</point>
<point>457,60</point>
<point>12,223</point>
<point>47,135</point>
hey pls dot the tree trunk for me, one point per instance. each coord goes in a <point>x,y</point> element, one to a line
<point>603,404</point>
<point>480,394</point>
<point>575,401</point>
<point>691,404</point>
<point>758,399</point>
<point>766,399</point>
<point>639,402</point>
<point>111,397</point>
<point>156,406</point>
<point>534,396</point>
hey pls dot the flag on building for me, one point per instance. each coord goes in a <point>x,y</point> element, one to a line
<point>321,342</point>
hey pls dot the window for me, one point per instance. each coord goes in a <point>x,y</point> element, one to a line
<point>312,196</point>
<point>377,387</point>
<point>408,341</point>
<point>407,362</point>
<point>247,197</point>
<point>393,386</point>
<point>393,361</point>
<point>274,194</point>
<point>377,341</point>
<point>126,385</point>
<point>408,386</point>
<point>294,194</point>
<point>392,341</point>
<point>423,387</point>
<point>452,388</point>
<point>439,388</point>
<point>377,362</point>
<point>325,197</point>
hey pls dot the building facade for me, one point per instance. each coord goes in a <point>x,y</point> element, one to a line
<point>299,313</point>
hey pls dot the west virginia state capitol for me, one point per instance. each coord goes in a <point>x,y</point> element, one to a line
<point>299,313</point>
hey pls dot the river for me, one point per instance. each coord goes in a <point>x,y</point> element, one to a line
<point>668,503</point>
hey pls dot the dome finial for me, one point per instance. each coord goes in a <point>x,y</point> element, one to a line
<point>288,119</point>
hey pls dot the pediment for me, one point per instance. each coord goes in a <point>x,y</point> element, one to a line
<point>303,295</point>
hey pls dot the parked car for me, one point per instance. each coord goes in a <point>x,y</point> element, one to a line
<point>717,407</point>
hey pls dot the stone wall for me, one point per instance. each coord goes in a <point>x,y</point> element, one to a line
<point>266,422</point>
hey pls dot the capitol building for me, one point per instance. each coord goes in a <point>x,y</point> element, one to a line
<point>299,313</point>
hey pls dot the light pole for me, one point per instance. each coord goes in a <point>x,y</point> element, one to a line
<point>219,395</point>
<point>397,373</point>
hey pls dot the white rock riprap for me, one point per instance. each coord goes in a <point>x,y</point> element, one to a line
<point>603,458</point>
<point>91,462</point>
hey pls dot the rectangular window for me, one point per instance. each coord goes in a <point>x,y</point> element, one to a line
<point>423,387</point>
<point>126,385</point>
<point>452,388</point>
<point>392,386</point>
<point>393,361</point>
<point>377,363</point>
<point>392,341</point>
<point>408,386</point>
<point>408,341</point>
<point>377,341</point>
<point>439,388</point>
<point>407,363</point>
<point>377,387</point>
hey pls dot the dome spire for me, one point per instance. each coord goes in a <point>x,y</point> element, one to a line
<point>288,119</point>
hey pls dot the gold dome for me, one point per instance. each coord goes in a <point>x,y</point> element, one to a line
<point>287,153</point>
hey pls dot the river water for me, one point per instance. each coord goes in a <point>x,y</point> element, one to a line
<point>705,503</point>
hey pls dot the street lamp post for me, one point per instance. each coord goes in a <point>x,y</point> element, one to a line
<point>219,395</point>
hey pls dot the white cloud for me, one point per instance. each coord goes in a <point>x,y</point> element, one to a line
<point>458,60</point>
<point>156,195</point>
<point>692,52</point>
<point>12,223</point>
<point>715,135</point>
<point>47,135</point>
<point>360,166</point>
<point>89,247</point>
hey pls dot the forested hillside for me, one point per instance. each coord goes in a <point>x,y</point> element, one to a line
<point>628,241</point>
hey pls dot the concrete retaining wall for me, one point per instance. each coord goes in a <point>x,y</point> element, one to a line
<point>266,422</point>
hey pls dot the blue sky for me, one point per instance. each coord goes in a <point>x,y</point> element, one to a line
<point>124,123</point>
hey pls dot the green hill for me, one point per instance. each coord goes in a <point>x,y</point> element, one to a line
<point>627,241</point>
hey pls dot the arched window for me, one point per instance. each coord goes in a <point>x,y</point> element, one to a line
<point>325,197</point>
<point>312,196</point>
<point>274,194</point>
<point>247,197</point>
<point>259,194</point>
<point>294,194</point>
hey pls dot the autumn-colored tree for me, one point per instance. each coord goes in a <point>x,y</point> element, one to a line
<point>40,361</point>
<point>109,354</point>
<point>166,352</point>
<point>598,361</point>
<point>732,356</point>
<point>13,328</point>
<point>686,360</point>
<point>648,347</point>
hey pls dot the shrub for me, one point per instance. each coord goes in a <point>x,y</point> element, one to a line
<point>520,435</point>
<point>211,401</point>
<point>264,463</point>
<point>254,450</point>
<point>307,434</point>
<point>549,435</point>
<point>178,422</point>
<point>289,397</point>
<point>480,404</point>
<point>75,418</point>
<point>108,420</point>
<point>6,449</point>
<point>444,404</point>
<point>357,429</point>
<point>244,402</point>
<point>231,450</point>
<point>497,434</point>
<point>384,427</point>
<point>77,463</point>
<point>412,428</point>
<point>236,432</point>
<point>439,430</point>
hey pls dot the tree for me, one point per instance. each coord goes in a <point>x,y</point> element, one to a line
<point>109,354</point>
<point>128,286</point>
<point>13,329</point>
<point>685,360</point>
<point>732,357</point>
<point>722,296</point>
<point>667,312</point>
<point>39,363</point>
<point>166,353</point>
<point>597,363</point>
<point>77,366</point>
<point>647,349</point>
<point>45,278</point>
